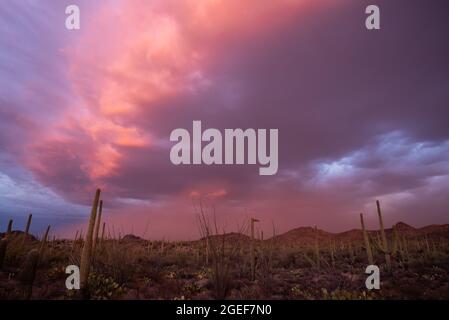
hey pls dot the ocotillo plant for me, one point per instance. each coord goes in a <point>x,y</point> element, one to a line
<point>27,228</point>
<point>206,243</point>
<point>369,252</point>
<point>384,246</point>
<point>86,255</point>
<point>252,253</point>
<point>74,240</point>
<point>97,228</point>
<point>3,247</point>
<point>28,272</point>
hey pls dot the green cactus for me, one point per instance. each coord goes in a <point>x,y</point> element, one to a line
<point>97,228</point>
<point>384,246</point>
<point>396,242</point>
<point>27,228</point>
<point>9,230</point>
<point>28,273</point>
<point>102,232</point>
<point>369,252</point>
<point>252,251</point>
<point>86,256</point>
<point>317,249</point>
<point>44,241</point>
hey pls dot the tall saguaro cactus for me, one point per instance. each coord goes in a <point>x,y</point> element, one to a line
<point>317,249</point>
<point>9,230</point>
<point>252,253</point>
<point>97,227</point>
<point>44,241</point>
<point>27,228</point>
<point>86,255</point>
<point>369,252</point>
<point>28,273</point>
<point>102,232</point>
<point>384,247</point>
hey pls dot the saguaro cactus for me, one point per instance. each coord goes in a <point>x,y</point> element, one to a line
<point>102,232</point>
<point>397,245</point>
<point>369,252</point>
<point>28,273</point>
<point>252,251</point>
<point>27,228</point>
<point>317,249</point>
<point>44,240</point>
<point>86,255</point>
<point>9,230</point>
<point>384,246</point>
<point>97,227</point>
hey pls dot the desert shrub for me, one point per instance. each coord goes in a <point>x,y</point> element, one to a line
<point>250,292</point>
<point>102,287</point>
<point>116,261</point>
<point>190,289</point>
<point>17,250</point>
<point>296,292</point>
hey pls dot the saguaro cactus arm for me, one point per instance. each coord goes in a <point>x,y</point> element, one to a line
<point>367,242</point>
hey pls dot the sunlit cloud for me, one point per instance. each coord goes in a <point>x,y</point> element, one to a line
<point>95,108</point>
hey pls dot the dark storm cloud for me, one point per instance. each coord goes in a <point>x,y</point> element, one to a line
<point>361,114</point>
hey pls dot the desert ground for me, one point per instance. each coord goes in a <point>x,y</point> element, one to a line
<point>304,263</point>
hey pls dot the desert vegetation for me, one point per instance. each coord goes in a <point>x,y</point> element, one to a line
<point>304,263</point>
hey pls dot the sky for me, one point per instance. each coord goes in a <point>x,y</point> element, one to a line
<point>362,115</point>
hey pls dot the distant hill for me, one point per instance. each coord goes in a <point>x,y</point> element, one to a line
<point>307,235</point>
<point>18,233</point>
<point>230,237</point>
<point>303,234</point>
<point>131,237</point>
